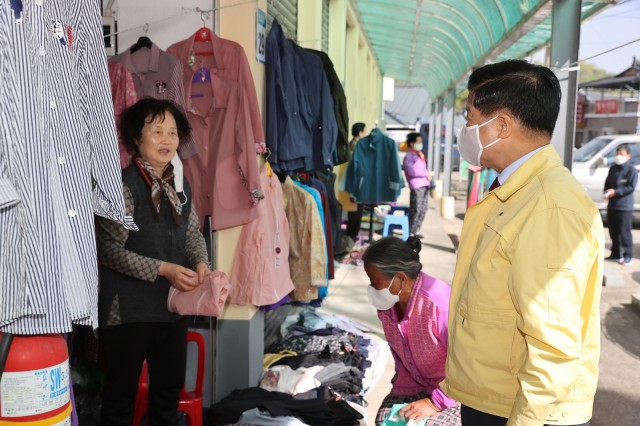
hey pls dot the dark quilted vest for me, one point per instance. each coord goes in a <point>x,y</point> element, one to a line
<point>143,301</point>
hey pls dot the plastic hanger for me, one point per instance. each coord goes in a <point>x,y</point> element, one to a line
<point>143,41</point>
<point>203,34</point>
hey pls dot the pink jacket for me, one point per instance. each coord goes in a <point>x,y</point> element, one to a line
<point>415,170</point>
<point>419,341</point>
<point>260,274</point>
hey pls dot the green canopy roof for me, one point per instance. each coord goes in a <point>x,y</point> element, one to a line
<point>436,43</point>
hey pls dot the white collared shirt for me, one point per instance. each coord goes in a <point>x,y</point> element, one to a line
<point>59,164</point>
<point>511,168</point>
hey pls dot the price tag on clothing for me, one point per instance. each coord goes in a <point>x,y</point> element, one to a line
<point>261,34</point>
<point>278,259</point>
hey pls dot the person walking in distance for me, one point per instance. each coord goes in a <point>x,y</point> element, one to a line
<point>618,189</point>
<point>524,314</point>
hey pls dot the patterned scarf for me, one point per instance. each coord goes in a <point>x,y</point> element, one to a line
<point>161,186</point>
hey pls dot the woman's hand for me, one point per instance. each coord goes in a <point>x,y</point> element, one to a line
<point>419,409</point>
<point>202,269</point>
<point>179,277</point>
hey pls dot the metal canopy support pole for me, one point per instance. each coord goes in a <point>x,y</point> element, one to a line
<point>432,132</point>
<point>450,106</point>
<point>437,139</point>
<point>565,41</point>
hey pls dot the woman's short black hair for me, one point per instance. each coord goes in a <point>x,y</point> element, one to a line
<point>357,128</point>
<point>146,110</point>
<point>412,137</point>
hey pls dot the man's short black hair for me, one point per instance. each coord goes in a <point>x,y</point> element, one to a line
<point>624,147</point>
<point>531,93</point>
<point>412,137</point>
<point>357,128</point>
<point>146,110</point>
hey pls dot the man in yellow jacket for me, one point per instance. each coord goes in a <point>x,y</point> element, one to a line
<point>524,339</point>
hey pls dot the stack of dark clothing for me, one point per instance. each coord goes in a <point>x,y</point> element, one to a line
<point>340,352</point>
<point>324,410</point>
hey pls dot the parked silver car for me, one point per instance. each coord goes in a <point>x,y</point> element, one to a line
<point>591,165</point>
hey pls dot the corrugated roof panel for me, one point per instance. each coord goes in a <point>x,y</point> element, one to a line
<point>435,43</point>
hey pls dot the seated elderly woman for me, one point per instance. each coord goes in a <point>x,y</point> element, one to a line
<point>413,308</point>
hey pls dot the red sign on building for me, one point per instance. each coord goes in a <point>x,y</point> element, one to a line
<point>607,106</point>
<point>580,110</point>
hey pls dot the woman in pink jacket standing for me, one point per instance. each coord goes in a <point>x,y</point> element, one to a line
<point>419,179</point>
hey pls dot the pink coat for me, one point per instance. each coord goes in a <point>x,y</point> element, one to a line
<point>415,170</point>
<point>419,341</point>
<point>260,274</point>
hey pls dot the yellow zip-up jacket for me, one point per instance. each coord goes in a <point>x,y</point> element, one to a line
<point>524,319</point>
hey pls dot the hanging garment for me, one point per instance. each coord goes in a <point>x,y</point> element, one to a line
<point>123,94</point>
<point>260,274</point>
<point>317,197</point>
<point>307,245</point>
<point>300,108</point>
<point>329,180</point>
<point>226,59</point>
<point>374,174</point>
<point>224,175</point>
<point>158,75</point>
<point>320,108</point>
<point>328,223</point>
<point>341,152</point>
<point>58,164</point>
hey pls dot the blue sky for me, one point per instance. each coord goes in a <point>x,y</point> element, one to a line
<point>614,26</point>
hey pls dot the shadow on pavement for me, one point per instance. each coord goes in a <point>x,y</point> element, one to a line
<point>439,247</point>
<point>636,276</point>
<point>614,409</point>
<point>622,327</point>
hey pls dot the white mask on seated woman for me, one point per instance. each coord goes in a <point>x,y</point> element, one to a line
<point>383,299</point>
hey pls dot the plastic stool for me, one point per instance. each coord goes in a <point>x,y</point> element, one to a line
<point>190,401</point>
<point>393,221</point>
<point>396,208</point>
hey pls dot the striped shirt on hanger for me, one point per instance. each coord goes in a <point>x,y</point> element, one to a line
<point>59,163</point>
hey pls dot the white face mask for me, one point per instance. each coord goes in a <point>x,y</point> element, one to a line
<point>469,143</point>
<point>383,299</point>
<point>178,178</point>
<point>418,147</point>
<point>620,160</point>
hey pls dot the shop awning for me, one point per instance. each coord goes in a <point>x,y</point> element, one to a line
<point>436,43</point>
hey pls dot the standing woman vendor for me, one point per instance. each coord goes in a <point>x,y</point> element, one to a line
<point>419,177</point>
<point>138,269</point>
<point>413,308</point>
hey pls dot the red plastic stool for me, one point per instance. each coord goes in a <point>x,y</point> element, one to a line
<point>190,401</point>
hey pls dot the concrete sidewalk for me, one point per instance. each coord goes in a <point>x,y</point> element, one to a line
<point>617,400</point>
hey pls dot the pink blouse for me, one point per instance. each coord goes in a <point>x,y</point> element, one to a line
<point>260,274</point>
<point>419,341</point>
